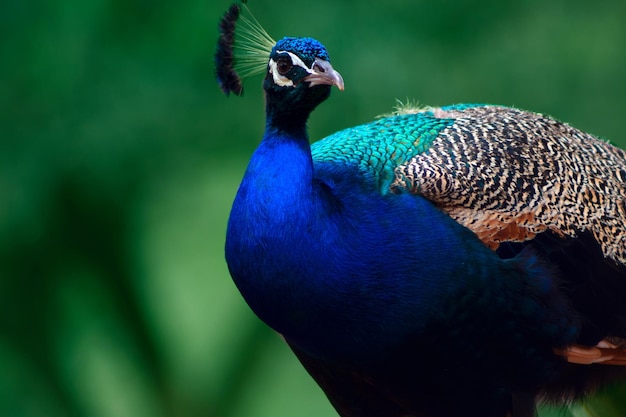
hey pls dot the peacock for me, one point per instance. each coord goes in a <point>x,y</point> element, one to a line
<point>466,260</point>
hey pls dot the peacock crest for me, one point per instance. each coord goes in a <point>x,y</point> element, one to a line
<point>242,49</point>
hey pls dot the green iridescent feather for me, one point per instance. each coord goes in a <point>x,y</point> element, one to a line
<point>377,148</point>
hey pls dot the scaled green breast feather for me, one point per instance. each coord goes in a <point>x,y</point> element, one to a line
<point>377,148</point>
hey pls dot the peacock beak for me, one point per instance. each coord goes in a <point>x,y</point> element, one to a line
<point>322,72</point>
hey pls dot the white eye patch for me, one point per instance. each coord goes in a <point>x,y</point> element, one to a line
<point>281,80</point>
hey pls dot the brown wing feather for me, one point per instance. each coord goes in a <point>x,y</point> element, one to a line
<point>509,175</point>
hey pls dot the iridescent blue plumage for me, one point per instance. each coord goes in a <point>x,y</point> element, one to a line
<point>388,258</point>
<point>306,48</point>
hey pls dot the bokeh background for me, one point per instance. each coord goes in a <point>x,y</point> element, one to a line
<point>119,158</point>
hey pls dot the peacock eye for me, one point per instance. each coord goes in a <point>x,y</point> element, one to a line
<point>284,64</point>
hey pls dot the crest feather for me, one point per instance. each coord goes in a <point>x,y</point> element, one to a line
<point>242,50</point>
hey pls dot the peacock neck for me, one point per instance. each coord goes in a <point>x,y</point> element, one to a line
<point>285,122</point>
<point>285,133</point>
<point>278,187</point>
<point>285,148</point>
<point>276,206</point>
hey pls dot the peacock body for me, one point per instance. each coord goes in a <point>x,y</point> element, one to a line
<point>464,260</point>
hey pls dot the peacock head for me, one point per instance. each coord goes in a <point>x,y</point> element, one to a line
<point>298,75</point>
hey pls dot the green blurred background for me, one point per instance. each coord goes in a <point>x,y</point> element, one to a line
<point>119,158</point>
